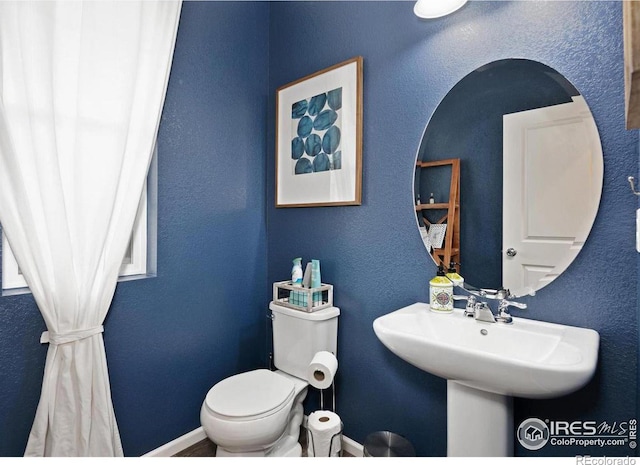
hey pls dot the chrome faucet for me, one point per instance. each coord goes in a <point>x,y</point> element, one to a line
<point>481,311</point>
<point>474,309</point>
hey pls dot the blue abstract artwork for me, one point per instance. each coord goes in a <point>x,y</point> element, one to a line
<point>316,123</point>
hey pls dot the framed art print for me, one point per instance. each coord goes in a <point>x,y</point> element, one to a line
<point>319,138</point>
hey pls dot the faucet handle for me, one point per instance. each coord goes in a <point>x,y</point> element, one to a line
<point>471,302</point>
<point>464,297</point>
<point>503,310</point>
<point>503,293</point>
<point>504,304</point>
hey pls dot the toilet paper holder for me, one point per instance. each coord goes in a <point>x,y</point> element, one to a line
<point>337,436</point>
<point>333,397</point>
<point>321,374</point>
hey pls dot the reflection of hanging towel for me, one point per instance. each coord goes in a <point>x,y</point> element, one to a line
<point>425,238</point>
<point>436,234</point>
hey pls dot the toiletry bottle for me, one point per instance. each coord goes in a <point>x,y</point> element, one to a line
<point>441,293</point>
<point>431,199</point>
<point>296,272</point>
<point>306,280</point>
<point>453,275</point>
<point>296,297</point>
<point>316,282</point>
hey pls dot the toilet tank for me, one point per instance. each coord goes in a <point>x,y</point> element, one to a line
<point>298,335</point>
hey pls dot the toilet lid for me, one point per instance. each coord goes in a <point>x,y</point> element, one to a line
<point>256,392</point>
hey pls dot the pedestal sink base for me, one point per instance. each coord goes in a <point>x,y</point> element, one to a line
<point>530,359</point>
<point>479,423</point>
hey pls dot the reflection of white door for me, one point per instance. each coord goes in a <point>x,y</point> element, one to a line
<point>552,180</point>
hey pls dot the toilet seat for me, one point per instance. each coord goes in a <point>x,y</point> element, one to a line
<point>250,396</point>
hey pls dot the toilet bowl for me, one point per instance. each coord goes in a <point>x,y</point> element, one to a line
<point>256,413</point>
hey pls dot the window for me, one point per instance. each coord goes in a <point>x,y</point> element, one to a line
<point>135,258</point>
<point>140,258</point>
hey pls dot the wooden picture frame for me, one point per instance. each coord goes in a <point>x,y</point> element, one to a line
<point>319,138</point>
<point>631,40</point>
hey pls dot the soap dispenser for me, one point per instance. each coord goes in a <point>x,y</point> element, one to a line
<point>441,293</point>
<point>453,275</point>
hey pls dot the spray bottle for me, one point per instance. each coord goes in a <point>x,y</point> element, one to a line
<point>296,297</point>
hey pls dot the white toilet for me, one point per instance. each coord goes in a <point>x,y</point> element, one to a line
<point>259,413</point>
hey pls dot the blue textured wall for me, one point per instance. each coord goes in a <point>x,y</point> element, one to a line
<point>373,253</point>
<point>170,338</point>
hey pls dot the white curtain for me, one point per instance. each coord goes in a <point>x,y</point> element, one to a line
<point>82,86</point>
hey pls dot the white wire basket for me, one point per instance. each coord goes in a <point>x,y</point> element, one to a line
<point>302,298</point>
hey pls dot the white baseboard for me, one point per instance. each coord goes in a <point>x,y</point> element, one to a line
<point>187,440</point>
<point>352,447</point>
<point>179,444</point>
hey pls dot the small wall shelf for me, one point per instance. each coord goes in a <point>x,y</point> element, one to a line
<point>432,206</point>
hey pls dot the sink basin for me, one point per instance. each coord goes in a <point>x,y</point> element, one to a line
<point>528,358</point>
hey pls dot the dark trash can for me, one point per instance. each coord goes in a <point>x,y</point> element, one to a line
<point>387,444</point>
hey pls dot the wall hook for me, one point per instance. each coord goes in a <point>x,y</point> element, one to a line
<point>631,180</point>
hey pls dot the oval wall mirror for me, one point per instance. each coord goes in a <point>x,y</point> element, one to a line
<point>508,176</point>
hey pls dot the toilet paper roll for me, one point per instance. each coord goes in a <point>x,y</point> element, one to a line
<point>323,434</point>
<point>322,369</point>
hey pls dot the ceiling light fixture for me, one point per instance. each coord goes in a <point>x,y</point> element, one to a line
<point>429,9</point>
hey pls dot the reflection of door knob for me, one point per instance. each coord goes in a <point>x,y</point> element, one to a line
<point>511,252</point>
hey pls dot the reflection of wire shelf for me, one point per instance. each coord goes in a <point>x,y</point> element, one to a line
<point>450,252</point>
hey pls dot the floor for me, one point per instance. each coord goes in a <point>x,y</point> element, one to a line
<point>206,448</point>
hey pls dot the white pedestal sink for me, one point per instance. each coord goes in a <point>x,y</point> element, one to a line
<point>486,364</point>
